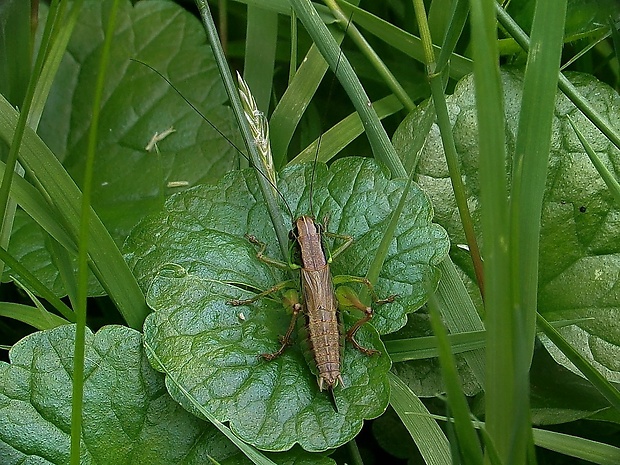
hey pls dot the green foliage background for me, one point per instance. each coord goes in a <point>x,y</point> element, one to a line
<point>188,387</point>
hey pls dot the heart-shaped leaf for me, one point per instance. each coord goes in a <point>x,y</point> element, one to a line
<point>579,244</point>
<point>128,416</point>
<point>193,258</point>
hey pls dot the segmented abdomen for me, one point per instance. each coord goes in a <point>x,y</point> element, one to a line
<point>323,325</point>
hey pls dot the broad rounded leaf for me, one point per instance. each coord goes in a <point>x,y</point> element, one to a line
<point>128,416</point>
<point>579,243</point>
<point>130,181</point>
<point>193,258</point>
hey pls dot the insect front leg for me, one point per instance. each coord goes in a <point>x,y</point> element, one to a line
<point>264,258</point>
<point>270,261</point>
<point>290,297</point>
<point>271,290</point>
<point>348,240</point>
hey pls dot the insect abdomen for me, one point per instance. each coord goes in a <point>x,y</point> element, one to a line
<point>323,327</point>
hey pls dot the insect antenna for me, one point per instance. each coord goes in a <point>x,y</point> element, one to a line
<point>256,114</point>
<point>329,97</point>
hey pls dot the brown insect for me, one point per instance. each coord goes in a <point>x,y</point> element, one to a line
<point>323,327</point>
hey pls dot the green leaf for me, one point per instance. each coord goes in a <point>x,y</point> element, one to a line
<point>34,249</point>
<point>213,351</point>
<point>131,182</point>
<point>128,416</point>
<point>193,258</point>
<point>579,244</point>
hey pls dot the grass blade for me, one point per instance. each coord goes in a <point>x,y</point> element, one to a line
<point>260,54</point>
<point>608,177</point>
<point>500,373</point>
<point>607,389</point>
<point>424,430</point>
<point>231,89</point>
<point>468,443</point>
<point>379,141</point>
<point>83,244</point>
<point>530,163</point>
<point>106,260</point>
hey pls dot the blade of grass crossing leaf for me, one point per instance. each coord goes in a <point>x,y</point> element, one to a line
<point>424,430</point>
<point>530,164</point>
<point>379,141</point>
<point>608,177</point>
<point>500,373</point>
<point>253,454</point>
<point>37,286</point>
<point>528,185</point>
<point>563,83</point>
<point>384,245</point>
<point>260,54</point>
<point>344,132</point>
<point>280,227</point>
<point>469,445</point>
<point>447,138</point>
<point>373,58</point>
<point>83,243</point>
<point>607,389</point>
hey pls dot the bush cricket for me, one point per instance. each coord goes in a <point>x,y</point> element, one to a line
<point>323,331</point>
<point>323,327</point>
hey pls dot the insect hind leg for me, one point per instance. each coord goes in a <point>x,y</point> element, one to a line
<point>347,296</point>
